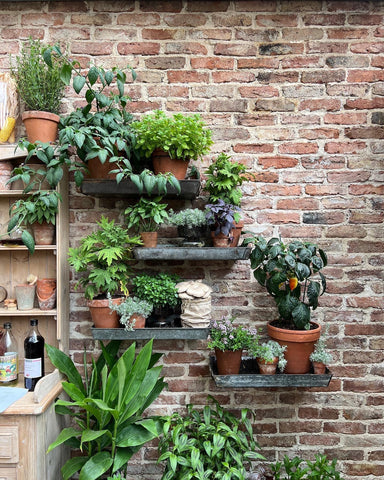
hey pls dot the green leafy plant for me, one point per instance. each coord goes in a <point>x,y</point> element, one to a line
<point>193,217</point>
<point>159,289</point>
<point>130,306</point>
<point>40,87</point>
<point>147,214</point>
<point>224,177</point>
<point>103,259</point>
<point>320,469</point>
<point>224,335</point>
<point>268,351</point>
<point>38,207</point>
<point>320,353</point>
<point>102,128</point>
<point>107,409</point>
<point>287,271</point>
<point>182,136</point>
<point>207,444</point>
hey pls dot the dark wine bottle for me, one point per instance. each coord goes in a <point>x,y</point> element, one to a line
<point>33,356</point>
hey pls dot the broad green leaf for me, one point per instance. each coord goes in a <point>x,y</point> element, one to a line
<point>72,466</point>
<point>28,241</point>
<point>63,436</point>
<point>65,365</point>
<point>78,83</point>
<point>301,315</point>
<point>96,466</point>
<point>133,435</point>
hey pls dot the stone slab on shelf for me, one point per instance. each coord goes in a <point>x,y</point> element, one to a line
<point>250,378</point>
<point>148,333</point>
<point>191,253</point>
<point>126,188</point>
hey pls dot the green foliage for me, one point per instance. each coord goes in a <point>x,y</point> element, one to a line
<point>40,87</point>
<point>321,354</point>
<point>147,214</point>
<point>268,351</point>
<point>224,335</point>
<point>224,178</point>
<point>183,137</point>
<point>190,217</point>
<point>286,271</point>
<point>128,307</point>
<point>320,469</point>
<point>222,216</point>
<point>207,444</point>
<point>160,289</point>
<point>107,409</point>
<point>103,258</point>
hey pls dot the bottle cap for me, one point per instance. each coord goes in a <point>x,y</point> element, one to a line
<point>33,322</point>
<point>8,325</point>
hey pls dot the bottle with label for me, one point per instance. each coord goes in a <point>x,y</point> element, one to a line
<point>9,358</point>
<point>33,356</point>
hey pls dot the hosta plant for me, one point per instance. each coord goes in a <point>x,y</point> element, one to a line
<point>292,275</point>
<point>107,408</point>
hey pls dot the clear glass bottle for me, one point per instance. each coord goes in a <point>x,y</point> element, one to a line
<point>33,356</point>
<point>9,358</point>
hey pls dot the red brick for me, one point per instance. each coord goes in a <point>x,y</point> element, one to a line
<point>348,177</point>
<point>22,33</point>
<point>347,33</point>
<point>138,48</point>
<point>320,104</point>
<point>194,48</point>
<point>212,63</point>
<point>187,77</point>
<point>92,48</point>
<point>253,148</point>
<point>373,47</point>
<point>264,62</point>
<point>159,34</point>
<point>300,62</point>
<point>360,76</point>
<point>251,120</point>
<point>204,6</point>
<point>317,133</point>
<point>235,49</point>
<point>165,63</point>
<point>350,428</point>
<point>324,19</point>
<point>341,147</point>
<point>185,20</point>
<point>319,440</point>
<point>295,204</point>
<point>365,132</point>
<point>238,77</point>
<point>327,47</point>
<point>138,19</point>
<point>174,6</point>
<point>256,91</point>
<point>273,21</point>
<point>279,218</point>
<point>278,162</point>
<point>298,148</point>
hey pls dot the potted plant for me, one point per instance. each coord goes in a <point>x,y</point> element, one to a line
<point>296,468</point>
<point>320,357</point>
<point>222,217</point>
<point>172,141</point>
<point>103,260</point>
<point>132,311</point>
<point>228,341</point>
<point>40,88</point>
<point>269,355</point>
<point>191,223</point>
<point>145,217</point>
<point>100,132</point>
<point>38,211</point>
<point>288,272</point>
<point>208,443</point>
<point>108,409</point>
<point>224,178</point>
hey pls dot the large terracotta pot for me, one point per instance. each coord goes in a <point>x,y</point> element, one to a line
<point>43,233</point>
<point>41,126</point>
<point>102,315</point>
<point>300,344</point>
<point>228,361</point>
<point>163,163</point>
<point>149,239</point>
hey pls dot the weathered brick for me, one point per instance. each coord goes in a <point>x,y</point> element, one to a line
<point>298,148</point>
<point>365,132</point>
<point>138,48</point>
<point>228,106</point>
<point>323,76</point>
<point>165,63</point>
<point>281,49</point>
<point>233,49</point>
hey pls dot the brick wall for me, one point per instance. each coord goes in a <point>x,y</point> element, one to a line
<point>295,90</point>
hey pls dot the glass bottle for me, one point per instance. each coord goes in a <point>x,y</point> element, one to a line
<point>33,356</point>
<point>9,357</point>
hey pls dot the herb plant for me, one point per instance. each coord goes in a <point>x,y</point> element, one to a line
<point>147,214</point>
<point>287,272</point>
<point>182,136</point>
<point>268,351</point>
<point>320,353</point>
<point>108,409</point>
<point>103,259</point>
<point>159,289</point>
<point>128,307</point>
<point>222,217</point>
<point>224,335</point>
<point>40,87</point>
<point>190,217</point>
<point>207,444</point>
<point>320,469</point>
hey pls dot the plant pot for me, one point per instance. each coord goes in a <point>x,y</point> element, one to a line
<point>101,170</point>
<point>220,240</point>
<point>139,320</point>
<point>236,232</point>
<point>43,233</point>
<point>149,239</point>
<point>300,344</point>
<point>41,126</point>
<point>191,234</point>
<point>46,293</point>
<point>267,368</point>
<point>102,315</point>
<point>163,163</point>
<point>319,368</point>
<point>25,296</point>
<point>228,361</point>
<point>6,169</point>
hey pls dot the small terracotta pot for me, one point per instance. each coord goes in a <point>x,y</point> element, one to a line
<point>163,163</point>
<point>139,320</point>
<point>220,240</point>
<point>149,239</point>
<point>236,232</point>
<point>267,368</point>
<point>319,368</point>
<point>101,170</point>
<point>43,233</point>
<point>102,315</point>
<point>41,126</point>
<point>46,293</point>
<point>228,361</point>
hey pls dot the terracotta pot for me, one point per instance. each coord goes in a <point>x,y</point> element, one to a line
<point>236,232</point>
<point>139,320</point>
<point>101,170</point>
<point>43,233</point>
<point>41,126</point>
<point>267,368</point>
<point>220,240</point>
<point>318,368</point>
<point>47,303</point>
<point>25,296</point>
<point>228,361</point>
<point>149,239</point>
<point>300,344</point>
<point>45,287</point>
<point>6,169</point>
<point>163,163</point>
<point>102,315</point>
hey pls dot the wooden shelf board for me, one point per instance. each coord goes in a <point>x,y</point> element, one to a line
<point>250,378</point>
<point>7,151</point>
<point>23,247</point>
<point>148,333</point>
<point>191,253</point>
<point>35,312</point>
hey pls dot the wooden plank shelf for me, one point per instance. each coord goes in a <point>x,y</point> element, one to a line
<point>126,188</point>
<point>249,377</point>
<point>11,246</point>
<point>35,312</point>
<point>148,333</point>
<point>8,151</point>
<point>191,253</point>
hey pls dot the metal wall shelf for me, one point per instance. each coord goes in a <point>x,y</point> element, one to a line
<point>148,333</point>
<point>191,253</point>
